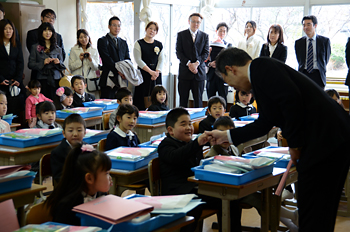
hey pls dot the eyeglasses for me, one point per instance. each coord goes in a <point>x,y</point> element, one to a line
<point>52,18</point>
<point>248,27</point>
<point>196,22</point>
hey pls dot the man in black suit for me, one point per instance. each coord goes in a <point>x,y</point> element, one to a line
<point>313,52</point>
<point>316,127</point>
<point>347,58</point>
<point>214,82</point>
<point>192,49</point>
<point>111,49</point>
<point>47,16</point>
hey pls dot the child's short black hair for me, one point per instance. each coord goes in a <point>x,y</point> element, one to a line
<point>174,115</point>
<point>158,89</point>
<point>126,109</point>
<point>332,92</point>
<point>77,77</point>
<point>44,106</point>
<point>216,99</point>
<point>34,84</point>
<point>243,92</point>
<point>74,118</point>
<point>121,93</point>
<point>223,121</point>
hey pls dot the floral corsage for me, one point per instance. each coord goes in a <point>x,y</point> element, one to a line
<point>40,48</point>
<point>156,50</point>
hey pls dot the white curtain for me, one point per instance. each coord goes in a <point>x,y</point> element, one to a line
<point>146,12</point>
<point>208,10</point>
<point>84,16</point>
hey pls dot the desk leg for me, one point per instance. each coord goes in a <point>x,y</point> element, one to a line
<point>265,210</point>
<point>98,126</point>
<point>113,188</point>
<point>226,222</point>
<point>275,210</point>
<point>21,216</point>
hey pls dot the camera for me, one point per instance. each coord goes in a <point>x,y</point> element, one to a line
<point>86,55</point>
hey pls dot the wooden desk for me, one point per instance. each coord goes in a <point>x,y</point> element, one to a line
<point>14,126</point>
<point>21,198</point>
<point>176,224</point>
<point>228,193</point>
<point>145,131</point>
<point>17,155</point>
<point>90,122</point>
<point>126,177</point>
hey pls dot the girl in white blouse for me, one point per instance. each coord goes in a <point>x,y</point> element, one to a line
<point>83,58</point>
<point>252,43</point>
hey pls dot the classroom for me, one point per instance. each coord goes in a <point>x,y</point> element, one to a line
<point>243,105</point>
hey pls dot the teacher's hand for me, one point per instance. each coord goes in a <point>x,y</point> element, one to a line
<point>294,155</point>
<point>5,82</point>
<point>217,137</point>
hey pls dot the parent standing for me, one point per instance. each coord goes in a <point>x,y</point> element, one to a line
<point>46,58</point>
<point>252,43</point>
<point>111,49</point>
<point>274,47</point>
<point>289,100</point>
<point>148,54</point>
<point>83,58</point>
<point>11,66</point>
<point>347,58</point>
<point>214,82</point>
<point>192,49</point>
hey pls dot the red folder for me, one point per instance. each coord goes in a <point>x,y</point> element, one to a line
<point>113,209</point>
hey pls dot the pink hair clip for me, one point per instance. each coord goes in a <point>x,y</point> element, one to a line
<point>60,91</point>
<point>87,147</point>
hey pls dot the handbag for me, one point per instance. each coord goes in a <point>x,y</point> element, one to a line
<point>65,80</point>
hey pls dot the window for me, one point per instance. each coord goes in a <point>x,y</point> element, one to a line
<point>333,22</point>
<point>100,13</point>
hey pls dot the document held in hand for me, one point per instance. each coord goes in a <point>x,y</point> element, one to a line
<point>113,209</point>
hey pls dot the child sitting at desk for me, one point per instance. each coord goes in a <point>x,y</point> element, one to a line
<point>74,130</point>
<point>159,99</point>
<point>46,114</point>
<point>122,134</point>
<point>223,123</point>
<point>78,84</point>
<point>216,109</point>
<point>177,155</point>
<point>64,98</point>
<point>123,96</point>
<point>85,176</point>
<point>243,105</point>
<point>4,126</point>
<point>32,100</point>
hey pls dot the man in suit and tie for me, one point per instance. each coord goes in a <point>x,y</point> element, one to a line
<point>313,52</point>
<point>320,150</point>
<point>47,16</point>
<point>111,49</point>
<point>192,49</point>
<point>347,58</point>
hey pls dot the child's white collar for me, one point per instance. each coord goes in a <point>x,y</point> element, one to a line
<point>80,95</point>
<point>244,106</point>
<point>122,133</point>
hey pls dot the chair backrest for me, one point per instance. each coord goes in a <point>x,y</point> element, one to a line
<point>154,177</point>
<point>101,145</point>
<point>44,167</point>
<point>196,127</point>
<point>38,214</point>
<point>105,121</point>
<point>252,142</point>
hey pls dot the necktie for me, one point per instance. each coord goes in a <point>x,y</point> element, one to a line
<point>51,127</point>
<point>83,98</point>
<point>193,37</point>
<point>310,57</point>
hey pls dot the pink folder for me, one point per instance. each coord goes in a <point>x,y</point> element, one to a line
<point>7,170</point>
<point>113,209</point>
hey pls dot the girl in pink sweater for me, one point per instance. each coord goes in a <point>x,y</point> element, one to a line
<point>34,87</point>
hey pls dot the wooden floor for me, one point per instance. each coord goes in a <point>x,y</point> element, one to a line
<point>250,217</point>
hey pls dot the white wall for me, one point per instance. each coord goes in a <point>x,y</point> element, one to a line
<point>66,23</point>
